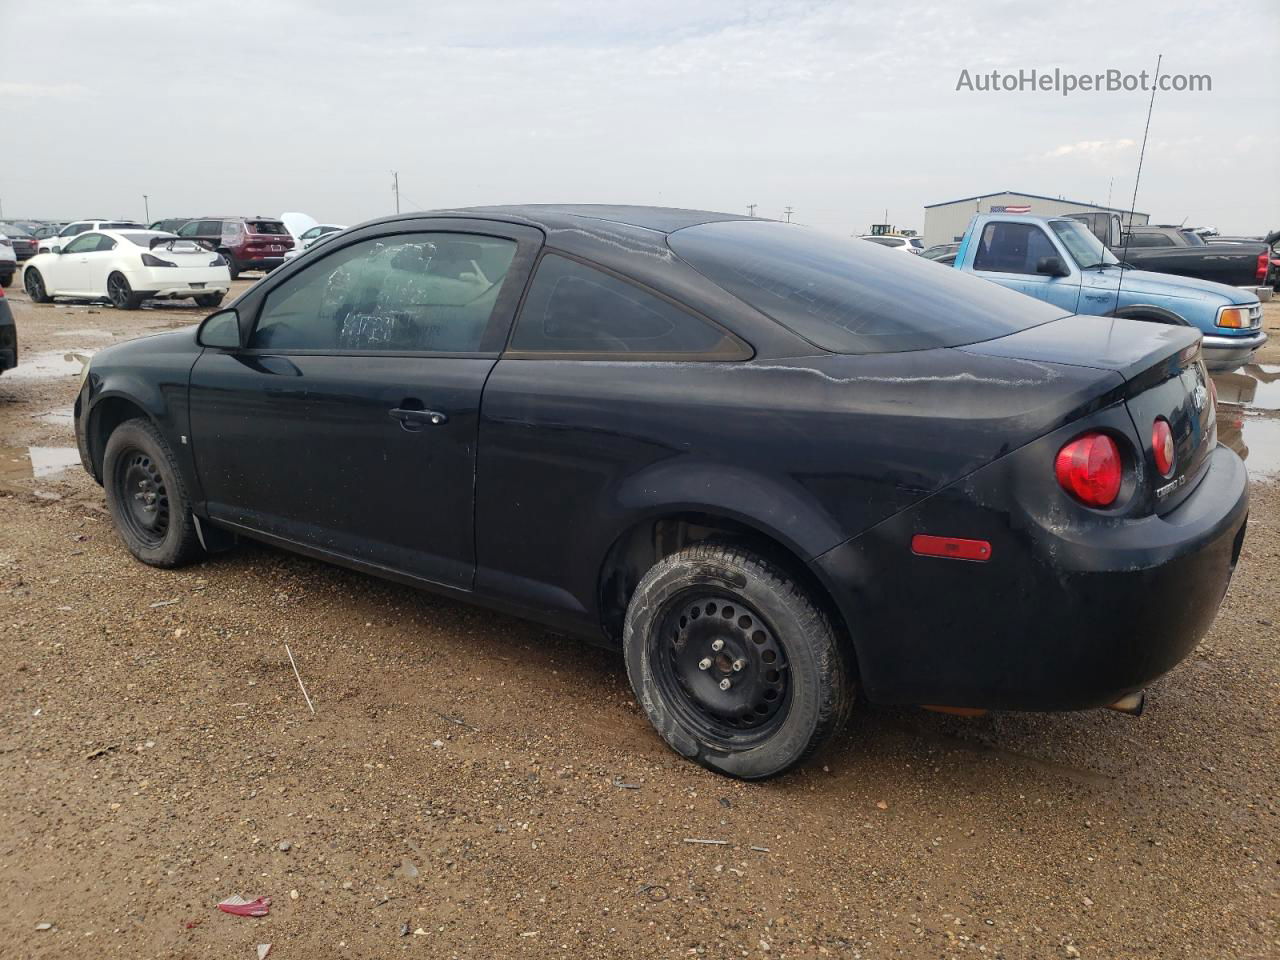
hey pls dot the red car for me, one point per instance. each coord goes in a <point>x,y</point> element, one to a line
<point>247,243</point>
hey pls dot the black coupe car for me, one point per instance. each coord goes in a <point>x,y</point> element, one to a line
<point>774,467</point>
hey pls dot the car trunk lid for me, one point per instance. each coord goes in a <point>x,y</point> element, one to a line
<point>1164,377</point>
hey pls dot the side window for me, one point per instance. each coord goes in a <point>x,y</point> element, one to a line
<point>573,308</point>
<point>431,292</point>
<point>1012,248</point>
<point>1150,240</point>
<point>105,243</point>
<point>85,243</point>
<point>190,229</point>
<point>73,229</point>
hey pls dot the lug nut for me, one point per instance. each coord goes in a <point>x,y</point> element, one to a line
<point>717,645</point>
<point>725,684</point>
<point>739,664</point>
<point>704,663</point>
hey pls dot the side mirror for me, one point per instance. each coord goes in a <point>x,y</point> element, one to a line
<point>55,249</point>
<point>220,330</point>
<point>1052,267</point>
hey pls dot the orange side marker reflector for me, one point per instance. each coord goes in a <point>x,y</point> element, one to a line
<point>953,547</point>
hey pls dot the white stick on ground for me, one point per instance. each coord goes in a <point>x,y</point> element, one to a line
<point>301,685</point>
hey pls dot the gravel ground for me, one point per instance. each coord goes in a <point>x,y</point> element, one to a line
<point>493,789</point>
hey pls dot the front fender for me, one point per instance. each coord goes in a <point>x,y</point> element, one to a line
<point>1149,311</point>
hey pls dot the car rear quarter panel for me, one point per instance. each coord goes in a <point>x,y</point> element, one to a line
<point>809,452</point>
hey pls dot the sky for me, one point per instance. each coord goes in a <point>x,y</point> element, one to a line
<point>840,110</point>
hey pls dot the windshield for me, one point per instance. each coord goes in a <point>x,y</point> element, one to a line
<point>849,296</point>
<point>1086,249</point>
<point>1193,239</point>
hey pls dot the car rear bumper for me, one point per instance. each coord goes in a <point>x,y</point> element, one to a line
<point>1061,618</point>
<point>180,281</point>
<point>1229,352</point>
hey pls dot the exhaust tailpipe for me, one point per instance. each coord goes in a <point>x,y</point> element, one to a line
<point>1132,704</point>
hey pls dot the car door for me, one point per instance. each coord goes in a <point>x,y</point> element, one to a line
<point>1007,254</point>
<point>70,273</point>
<point>348,422</point>
<point>100,261</point>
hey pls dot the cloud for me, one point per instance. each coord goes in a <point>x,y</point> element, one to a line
<point>1089,148</point>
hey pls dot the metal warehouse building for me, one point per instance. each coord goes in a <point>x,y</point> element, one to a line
<point>944,222</point>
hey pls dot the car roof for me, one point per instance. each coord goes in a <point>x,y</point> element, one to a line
<point>560,215</point>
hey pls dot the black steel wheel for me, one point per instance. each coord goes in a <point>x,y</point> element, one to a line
<point>735,664</point>
<point>208,300</point>
<point>34,285</point>
<point>147,497</point>
<point>721,667</point>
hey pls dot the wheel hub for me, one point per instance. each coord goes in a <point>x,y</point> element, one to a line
<point>145,498</point>
<point>726,663</point>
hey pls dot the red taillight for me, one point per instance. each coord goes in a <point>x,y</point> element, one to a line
<point>1089,469</point>
<point>1264,263</point>
<point>1162,446</point>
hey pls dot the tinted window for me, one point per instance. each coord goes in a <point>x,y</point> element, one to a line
<point>73,229</point>
<point>883,241</point>
<point>121,225</point>
<point>1012,248</point>
<point>413,292</point>
<point>1149,240</point>
<point>85,243</point>
<point>1193,239</point>
<point>190,229</point>
<point>849,296</point>
<point>274,227</point>
<point>573,308</point>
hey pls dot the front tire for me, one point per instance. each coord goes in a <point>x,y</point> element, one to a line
<point>121,295</point>
<point>34,285</point>
<point>734,663</point>
<point>147,498</point>
<point>209,300</point>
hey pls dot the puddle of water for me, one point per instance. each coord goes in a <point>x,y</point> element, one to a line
<point>22,463</point>
<point>1246,424</point>
<point>48,365</point>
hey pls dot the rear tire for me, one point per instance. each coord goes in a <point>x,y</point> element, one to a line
<point>6,279</point>
<point>121,295</point>
<point>33,283</point>
<point>147,497</point>
<point>774,689</point>
<point>209,300</point>
<point>232,267</point>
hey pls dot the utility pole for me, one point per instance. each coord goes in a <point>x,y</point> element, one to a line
<point>146,206</point>
<point>395,187</point>
<point>788,211</point>
<point>751,209</point>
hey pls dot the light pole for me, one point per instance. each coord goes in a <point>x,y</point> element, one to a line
<point>751,209</point>
<point>146,206</point>
<point>395,187</point>
<point>788,211</point>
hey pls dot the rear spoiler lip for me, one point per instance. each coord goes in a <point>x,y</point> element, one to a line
<point>1128,347</point>
<point>199,242</point>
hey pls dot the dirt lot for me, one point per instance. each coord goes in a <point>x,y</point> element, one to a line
<point>495,791</point>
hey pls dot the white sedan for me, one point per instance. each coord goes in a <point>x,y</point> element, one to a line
<point>127,267</point>
<point>309,237</point>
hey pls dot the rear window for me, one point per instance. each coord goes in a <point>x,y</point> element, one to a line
<point>121,225</point>
<point>268,226</point>
<point>849,296</point>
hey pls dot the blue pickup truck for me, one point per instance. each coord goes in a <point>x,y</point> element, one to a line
<point>1060,261</point>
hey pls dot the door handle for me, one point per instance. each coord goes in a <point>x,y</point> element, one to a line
<point>417,419</point>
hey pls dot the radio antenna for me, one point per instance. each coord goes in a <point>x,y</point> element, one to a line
<point>1142,152</point>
